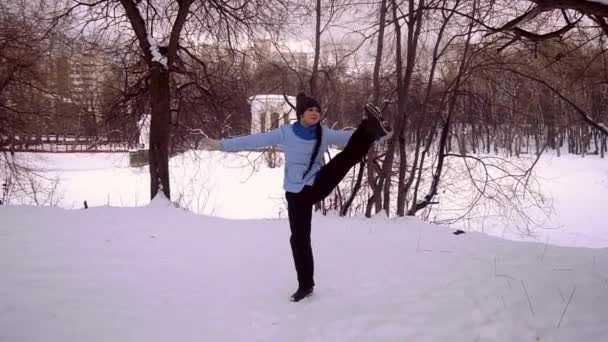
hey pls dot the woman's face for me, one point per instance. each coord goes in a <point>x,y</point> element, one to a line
<point>311,116</point>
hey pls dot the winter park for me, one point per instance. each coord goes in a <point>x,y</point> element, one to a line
<point>298,170</point>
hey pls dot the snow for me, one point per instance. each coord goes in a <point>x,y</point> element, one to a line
<point>574,188</point>
<point>579,187</point>
<point>158,273</point>
<point>154,50</point>
<point>204,182</point>
<point>240,186</point>
<point>154,272</point>
<point>156,55</point>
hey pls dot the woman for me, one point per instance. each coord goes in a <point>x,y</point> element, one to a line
<point>306,181</point>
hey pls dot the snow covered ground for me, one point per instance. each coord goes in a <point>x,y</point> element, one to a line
<point>156,273</point>
<point>139,271</point>
<point>239,186</point>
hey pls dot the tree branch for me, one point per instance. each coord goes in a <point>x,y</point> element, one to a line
<point>522,19</point>
<point>585,7</point>
<point>139,26</point>
<point>182,14</point>
<point>597,125</point>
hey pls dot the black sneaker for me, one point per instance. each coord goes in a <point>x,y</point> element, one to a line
<point>377,124</point>
<point>301,294</point>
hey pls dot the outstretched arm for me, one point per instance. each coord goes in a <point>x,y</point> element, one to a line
<point>253,141</point>
<point>337,137</point>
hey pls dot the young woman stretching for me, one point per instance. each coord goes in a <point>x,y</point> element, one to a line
<point>306,181</point>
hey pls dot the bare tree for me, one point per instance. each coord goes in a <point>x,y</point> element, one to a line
<point>24,93</point>
<point>158,28</point>
<point>418,205</point>
<point>574,14</point>
<point>403,80</point>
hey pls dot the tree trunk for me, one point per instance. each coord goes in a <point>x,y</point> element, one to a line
<point>315,66</point>
<point>379,50</point>
<point>353,194</point>
<point>314,76</point>
<point>401,98</point>
<point>376,199</point>
<point>160,98</point>
<point>414,25</point>
<point>159,131</point>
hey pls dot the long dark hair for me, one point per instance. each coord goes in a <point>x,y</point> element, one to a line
<point>315,151</point>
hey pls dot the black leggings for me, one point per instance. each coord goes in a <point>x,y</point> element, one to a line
<point>299,205</point>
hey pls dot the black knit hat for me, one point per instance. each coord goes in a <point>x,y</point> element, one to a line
<point>304,102</point>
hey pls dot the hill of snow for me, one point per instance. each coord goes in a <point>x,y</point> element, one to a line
<point>156,273</point>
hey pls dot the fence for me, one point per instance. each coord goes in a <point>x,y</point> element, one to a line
<point>62,144</point>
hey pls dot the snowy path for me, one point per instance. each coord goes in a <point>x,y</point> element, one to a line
<point>157,274</point>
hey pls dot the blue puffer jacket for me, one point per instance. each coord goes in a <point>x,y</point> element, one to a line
<point>297,151</point>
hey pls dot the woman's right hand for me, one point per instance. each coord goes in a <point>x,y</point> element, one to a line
<point>211,144</point>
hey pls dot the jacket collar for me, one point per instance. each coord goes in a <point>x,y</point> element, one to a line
<point>306,133</point>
